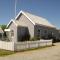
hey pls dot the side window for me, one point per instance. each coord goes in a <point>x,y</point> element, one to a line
<point>12,33</point>
<point>45,31</point>
<point>38,32</point>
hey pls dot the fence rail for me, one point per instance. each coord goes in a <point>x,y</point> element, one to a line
<point>32,44</point>
<point>7,45</point>
<point>17,46</point>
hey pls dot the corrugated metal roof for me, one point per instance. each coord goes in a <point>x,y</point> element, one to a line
<point>38,19</point>
<point>34,19</point>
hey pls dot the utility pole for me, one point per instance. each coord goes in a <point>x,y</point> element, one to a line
<point>15,7</point>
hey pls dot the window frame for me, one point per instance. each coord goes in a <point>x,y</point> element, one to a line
<point>12,33</point>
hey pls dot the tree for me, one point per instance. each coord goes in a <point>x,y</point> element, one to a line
<point>3,27</point>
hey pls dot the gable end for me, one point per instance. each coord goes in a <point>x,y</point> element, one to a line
<point>11,23</point>
<point>21,12</point>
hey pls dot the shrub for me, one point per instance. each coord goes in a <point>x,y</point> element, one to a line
<point>3,27</point>
<point>34,38</point>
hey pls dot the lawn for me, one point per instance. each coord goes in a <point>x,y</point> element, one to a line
<point>5,52</point>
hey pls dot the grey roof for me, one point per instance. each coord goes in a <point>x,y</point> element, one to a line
<point>39,20</point>
<point>33,18</point>
<point>36,19</point>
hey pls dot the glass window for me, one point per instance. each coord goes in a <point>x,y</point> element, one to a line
<point>12,33</point>
<point>38,33</point>
<point>38,30</point>
<point>45,31</point>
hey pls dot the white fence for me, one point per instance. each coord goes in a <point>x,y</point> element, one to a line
<point>24,45</point>
<point>7,45</point>
<point>32,44</point>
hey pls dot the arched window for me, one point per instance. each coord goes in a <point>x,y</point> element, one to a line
<point>12,33</point>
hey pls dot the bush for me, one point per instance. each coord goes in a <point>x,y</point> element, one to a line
<point>34,38</point>
<point>3,27</point>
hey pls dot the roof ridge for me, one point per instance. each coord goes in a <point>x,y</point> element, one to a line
<point>35,19</point>
<point>44,19</point>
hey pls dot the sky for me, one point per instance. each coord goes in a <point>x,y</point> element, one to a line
<point>49,9</point>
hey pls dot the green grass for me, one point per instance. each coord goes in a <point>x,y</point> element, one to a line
<point>5,52</point>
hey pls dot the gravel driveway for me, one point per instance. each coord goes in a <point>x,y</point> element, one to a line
<point>49,53</point>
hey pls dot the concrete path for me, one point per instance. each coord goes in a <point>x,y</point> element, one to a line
<point>49,53</point>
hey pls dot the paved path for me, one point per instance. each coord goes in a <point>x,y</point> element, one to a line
<point>49,53</point>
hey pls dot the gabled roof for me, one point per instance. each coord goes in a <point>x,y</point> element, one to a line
<point>35,19</point>
<point>12,20</point>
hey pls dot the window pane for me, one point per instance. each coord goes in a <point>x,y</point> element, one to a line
<point>12,33</point>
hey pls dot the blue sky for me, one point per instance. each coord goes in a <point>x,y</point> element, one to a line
<point>49,9</point>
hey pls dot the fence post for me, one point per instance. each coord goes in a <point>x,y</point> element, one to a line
<point>38,44</point>
<point>46,43</point>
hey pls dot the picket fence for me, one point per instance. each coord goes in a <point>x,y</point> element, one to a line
<point>18,46</point>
